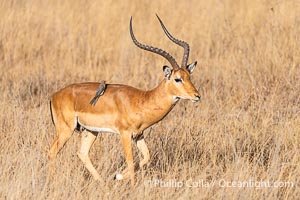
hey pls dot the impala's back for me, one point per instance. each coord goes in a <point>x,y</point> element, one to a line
<point>71,107</point>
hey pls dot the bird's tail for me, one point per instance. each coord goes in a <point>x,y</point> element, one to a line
<point>94,100</point>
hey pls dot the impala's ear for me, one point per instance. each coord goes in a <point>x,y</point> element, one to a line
<point>191,67</point>
<point>167,71</point>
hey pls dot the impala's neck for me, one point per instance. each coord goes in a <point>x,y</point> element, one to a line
<point>158,102</point>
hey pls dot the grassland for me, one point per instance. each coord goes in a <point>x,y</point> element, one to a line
<point>246,127</point>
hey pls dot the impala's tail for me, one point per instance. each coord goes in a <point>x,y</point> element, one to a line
<point>51,113</point>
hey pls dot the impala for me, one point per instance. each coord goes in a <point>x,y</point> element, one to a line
<point>121,109</point>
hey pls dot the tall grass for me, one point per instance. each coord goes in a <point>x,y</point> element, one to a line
<point>246,127</point>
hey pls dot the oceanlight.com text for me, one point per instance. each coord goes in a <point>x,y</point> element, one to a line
<point>201,183</point>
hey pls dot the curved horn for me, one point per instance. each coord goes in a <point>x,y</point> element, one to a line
<point>179,42</point>
<point>158,51</point>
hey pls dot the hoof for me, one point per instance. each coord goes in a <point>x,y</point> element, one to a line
<point>118,177</point>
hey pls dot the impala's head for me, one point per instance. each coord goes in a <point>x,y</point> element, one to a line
<point>177,78</point>
<point>179,83</point>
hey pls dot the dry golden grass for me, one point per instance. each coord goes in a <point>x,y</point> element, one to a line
<point>245,128</point>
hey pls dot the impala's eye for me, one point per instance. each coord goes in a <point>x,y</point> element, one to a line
<point>178,80</point>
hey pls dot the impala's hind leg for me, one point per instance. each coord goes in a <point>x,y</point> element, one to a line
<point>63,119</point>
<point>87,140</point>
<point>63,134</point>
<point>64,125</point>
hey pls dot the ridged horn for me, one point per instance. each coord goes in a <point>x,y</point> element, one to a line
<point>185,45</point>
<point>158,51</point>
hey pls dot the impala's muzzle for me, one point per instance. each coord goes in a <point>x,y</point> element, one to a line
<point>196,99</point>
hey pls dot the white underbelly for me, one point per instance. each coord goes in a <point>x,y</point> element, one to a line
<point>97,129</point>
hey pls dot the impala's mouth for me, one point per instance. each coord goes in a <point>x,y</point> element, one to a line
<point>197,99</point>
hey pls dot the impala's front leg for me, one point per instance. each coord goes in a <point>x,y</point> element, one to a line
<point>127,148</point>
<point>142,146</point>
